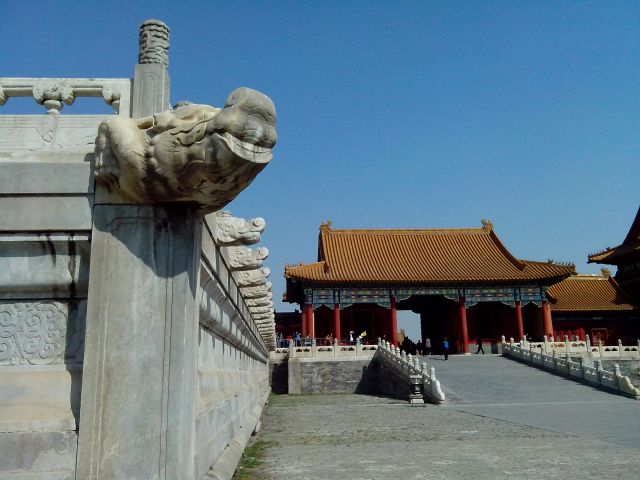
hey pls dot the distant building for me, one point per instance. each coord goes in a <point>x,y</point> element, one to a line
<point>593,305</point>
<point>626,257</point>
<point>464,283</point>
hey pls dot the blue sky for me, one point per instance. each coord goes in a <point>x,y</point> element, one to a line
<point>403,114</point>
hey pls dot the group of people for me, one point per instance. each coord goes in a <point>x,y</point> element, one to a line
<point>424,348</point>
<point>419,348</point>
<point>297,339</point>
<point>408,345</point>
<point>328,340</point>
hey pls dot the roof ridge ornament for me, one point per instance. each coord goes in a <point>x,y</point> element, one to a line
<point>486,224</point>
<point>325,226</point>
<point>605,272</point>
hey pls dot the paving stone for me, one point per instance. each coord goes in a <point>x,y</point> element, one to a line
<point>502,420</point>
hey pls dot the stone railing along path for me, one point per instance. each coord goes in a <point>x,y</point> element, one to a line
<point>557,358</point>
<point>408,370</point>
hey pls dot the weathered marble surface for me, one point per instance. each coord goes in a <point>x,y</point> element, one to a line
<point>138,412</point>
<point>43,265</point>
<point>38,455</point>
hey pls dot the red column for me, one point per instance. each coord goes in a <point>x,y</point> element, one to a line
<point>463,325</point>
<point>547,323</point>
<point>311,327</point>
<point>519,320</point>
<point>394,322</point>
<point>304,321</point>
<point>336,321</point>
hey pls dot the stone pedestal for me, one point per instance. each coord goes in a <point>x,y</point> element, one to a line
<point>139,383</point>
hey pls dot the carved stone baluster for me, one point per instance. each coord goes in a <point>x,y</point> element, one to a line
<point>53,94</point>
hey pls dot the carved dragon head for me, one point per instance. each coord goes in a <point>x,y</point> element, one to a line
<point>197,154</point>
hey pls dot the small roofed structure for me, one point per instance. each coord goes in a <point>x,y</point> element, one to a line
<point>594,305</point>
<point>626,257</point>
<point>463,282</point>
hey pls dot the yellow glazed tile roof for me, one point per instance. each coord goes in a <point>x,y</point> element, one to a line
<point>588,293</point>
<point>472,255</point>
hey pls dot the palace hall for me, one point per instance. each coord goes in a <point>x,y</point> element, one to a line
<point>463,283</point>
<point>594,305</point>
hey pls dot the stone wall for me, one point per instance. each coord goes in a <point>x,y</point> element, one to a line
<point>279,375</point>
<point>46,196</point>
<point>339,375</point>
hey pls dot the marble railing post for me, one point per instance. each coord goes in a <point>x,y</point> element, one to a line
<point>292,348</point>
<point>151,78</point>
<point>598,365</point>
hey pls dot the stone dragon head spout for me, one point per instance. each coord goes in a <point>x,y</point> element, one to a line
<point>194,154</point>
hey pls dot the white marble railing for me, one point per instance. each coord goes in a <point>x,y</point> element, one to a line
<point>52,93</point>
<point>576,348</point>
<point>422,377</point>
<point>324,351</point>
<point>564,365</point>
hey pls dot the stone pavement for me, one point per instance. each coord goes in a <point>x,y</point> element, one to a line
<point>496,387</point>
<point>502,420</point>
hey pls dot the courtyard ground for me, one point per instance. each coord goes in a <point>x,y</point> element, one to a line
<point>501,420</point>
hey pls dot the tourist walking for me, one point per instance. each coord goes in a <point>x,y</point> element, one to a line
<point>479,344</point>
<point>445,348</point>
